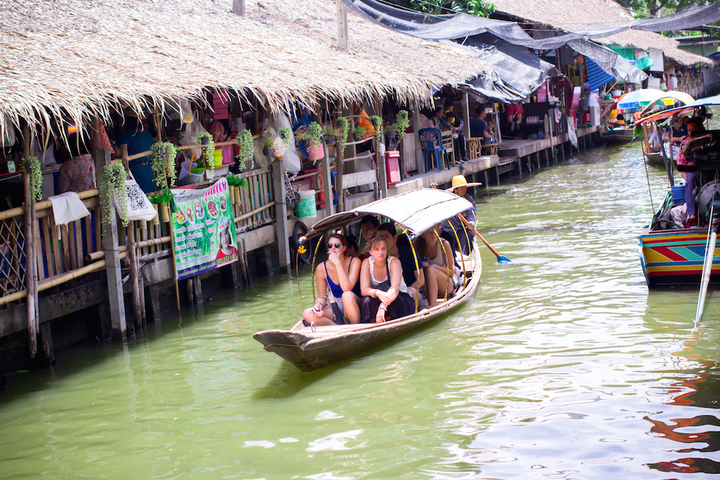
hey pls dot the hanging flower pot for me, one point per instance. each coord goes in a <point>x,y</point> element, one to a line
<point>330,140</point>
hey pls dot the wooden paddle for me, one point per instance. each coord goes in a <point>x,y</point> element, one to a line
<point>500,258</point>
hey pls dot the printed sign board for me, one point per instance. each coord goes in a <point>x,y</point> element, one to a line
<point>203,229</point>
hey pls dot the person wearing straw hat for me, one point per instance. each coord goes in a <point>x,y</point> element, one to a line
<point>466,237</point>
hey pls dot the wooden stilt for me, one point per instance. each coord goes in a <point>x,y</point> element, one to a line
<point>31,281</point>
<point>134,277</point>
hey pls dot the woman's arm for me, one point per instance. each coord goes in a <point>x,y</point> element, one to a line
<point>419,279</point>
<point>321,299</point>
<point>365,279</point>
<point>449,258</point>
<point>396,278</point>
<point>346,282</point>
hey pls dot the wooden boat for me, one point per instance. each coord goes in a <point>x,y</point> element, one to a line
<point>654,158</point>
<point>670,254</point>
<point>311,348</point>
<point>618,135</point>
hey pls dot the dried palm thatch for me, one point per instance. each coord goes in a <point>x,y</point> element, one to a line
<point>73,59</point>
<point>576,15</point>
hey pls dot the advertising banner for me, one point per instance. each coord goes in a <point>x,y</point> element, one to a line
<point>203,229</point>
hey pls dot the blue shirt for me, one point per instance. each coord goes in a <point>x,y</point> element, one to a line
<point>477,127</point>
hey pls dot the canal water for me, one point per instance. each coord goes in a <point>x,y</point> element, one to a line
<point>563,366</point>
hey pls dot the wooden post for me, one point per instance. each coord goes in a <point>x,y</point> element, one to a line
<point>134,277</point>
<point>419,158</point>
<point>382,173</point>
<point>342,24</point>
<point>31,281</point>
<point>112,260</point>
<point>339,177</point>
<point>239,7</point>
<point>466,116</point>
<point>281,229</point>
<point>327,185</point>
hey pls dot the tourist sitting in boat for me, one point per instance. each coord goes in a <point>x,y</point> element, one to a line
<point>464,234</point>
<point>412,266</point>
<point>386,296</point>
<point>686,167</point>
<point>352,246</point>
<point>368,225</point>
<point>441,275</point>
<point>338,301</point>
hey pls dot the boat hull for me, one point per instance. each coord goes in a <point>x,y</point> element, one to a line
<point>654,158</point>
<point>675,257</point>
<point>618,136</point>
<point>311,350</point>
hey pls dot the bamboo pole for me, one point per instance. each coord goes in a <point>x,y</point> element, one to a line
<point>42,205</point>
<point>134,276</point>
<point>31,281</point>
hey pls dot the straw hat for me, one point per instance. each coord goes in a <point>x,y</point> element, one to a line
<point>461,181</point>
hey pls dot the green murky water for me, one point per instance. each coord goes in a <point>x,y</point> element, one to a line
<point>563,366</point>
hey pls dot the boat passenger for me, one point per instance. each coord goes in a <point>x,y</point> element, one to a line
<point>368,225</point>
<point>412,266</point>
<point>439,279</point>
<point>465,235</point>
<point>352,246</point>
<point>687,166</point>
<point>338,300</point>
<point>386,296</point>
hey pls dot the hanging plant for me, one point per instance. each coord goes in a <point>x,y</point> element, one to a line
<point>401,124</point>
<point>266,142</point>
<point>31,167</point>
<point>234,181</point>
<point>205,140</point>
<point>245,142</point>
<point>358,133</point>
<point>313,133</point>
<point>344,128</point>
<point>164,196</point>
<point>378,124</point>
<point>285,134</point>
<point>162,155</point>
<point>113,184</point>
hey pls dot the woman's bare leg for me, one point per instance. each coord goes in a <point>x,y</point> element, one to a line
<point>352,307</point>
<point>325,319</point>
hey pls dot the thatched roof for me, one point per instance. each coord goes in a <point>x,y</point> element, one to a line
<point>80,57</point>
<point>578,14</point>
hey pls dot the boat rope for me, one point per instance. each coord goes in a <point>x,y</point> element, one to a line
<point>462,255</point>
<point>312,268</point>
<point>447,266</point>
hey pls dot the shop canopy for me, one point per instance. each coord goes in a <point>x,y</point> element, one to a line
<point>448,27</point>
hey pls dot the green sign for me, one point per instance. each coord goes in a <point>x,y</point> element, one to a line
<point>203,229</point>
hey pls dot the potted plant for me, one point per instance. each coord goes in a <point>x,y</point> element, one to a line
<point>161,200</point>
<point>313,135</point>
<point>358,133</point>
<point>236,183</point>
<point>113,184</point>
<point>245,142</point>
<point>267,142</point>
<point>31,167</point>
<point>330,134</point>
<point>205,140</point>
<point>285,135</point>
<point>344,127</point>
<point>399,127</point>
<point>162,160</point>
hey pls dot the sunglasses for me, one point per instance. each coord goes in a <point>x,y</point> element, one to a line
<point>333,245</point>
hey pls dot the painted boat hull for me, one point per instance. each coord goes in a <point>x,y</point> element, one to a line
<point>654,158</point>
<point>311,350</point>
<point>675,257</point>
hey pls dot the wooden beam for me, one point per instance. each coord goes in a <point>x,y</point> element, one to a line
<point>31,281</point>
<point>281,229</point>
<point>239,7</point>
<point>342,25</point>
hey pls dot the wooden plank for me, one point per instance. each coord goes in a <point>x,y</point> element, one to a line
<point>87,229</point>
<point>67,266</point>
<point>98,228</point>
<point>39,252</point>
<point>78,243</point>
<point>55,233</point>
<point>48,246</point>
<point>356,179</point>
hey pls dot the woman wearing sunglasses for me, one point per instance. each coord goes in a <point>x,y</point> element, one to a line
<point>338,300</point>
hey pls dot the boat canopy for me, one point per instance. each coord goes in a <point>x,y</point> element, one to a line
<point>671,98</point>
<point>417,211</point>
<point>702,102</point>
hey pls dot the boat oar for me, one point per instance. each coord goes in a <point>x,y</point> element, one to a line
<point>707,266</point>
<point>500,258</point>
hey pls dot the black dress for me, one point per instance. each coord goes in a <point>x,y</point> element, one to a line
<point>402,306</point>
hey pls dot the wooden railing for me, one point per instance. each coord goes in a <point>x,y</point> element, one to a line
<point>64,252</point>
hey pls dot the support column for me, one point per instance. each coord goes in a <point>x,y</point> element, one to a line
<point>419,158</point>
<point>46,342</point>
<point>327,183</point>
<point>197,287</point>
<point>342,25</point>
<point>155,303</point>
<point>112,259</point>
<point>31,278</point>
<point>281,229</point>
<point>134,277</point>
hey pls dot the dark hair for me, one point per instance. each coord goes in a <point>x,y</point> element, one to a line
<point>420,246</point>
<point>370,219</point>
<point>697,122</point>
<point>77,145</point>
<point>449,103</point>
<point>352,242</point>
<point>479,109</point>
<point>340,237</point>
<point>387,227</point>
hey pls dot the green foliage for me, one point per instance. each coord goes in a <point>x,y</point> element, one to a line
<point>344,126</point>
<point>378,124</point>
<point>267,141</point>
<point>165,196</point>
<point>285,134</point>
<point>162,155</point>
<point>197,170</point>
<point>31,167</point>
<point>358,132</point>
<point>314,133</point>
<point>245,141</point>
<point>402,122</point>
<point>113,183</point>
<point>445,7</point>
<point>234,181</point>
<point>208,150</point>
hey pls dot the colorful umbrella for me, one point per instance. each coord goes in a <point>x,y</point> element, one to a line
<point>639,98</point>
<point>672,97</point>
<point>703,102</point>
